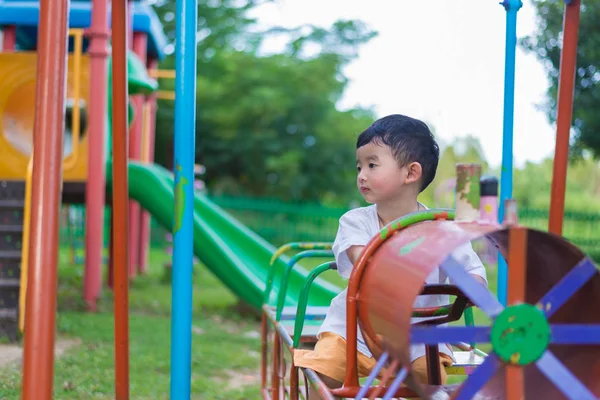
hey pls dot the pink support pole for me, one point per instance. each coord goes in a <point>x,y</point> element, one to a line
<point>135,152</point>
<point>149,150</point>
<point>95,189</point>
<point>9,38</point>
<point>152,64</point>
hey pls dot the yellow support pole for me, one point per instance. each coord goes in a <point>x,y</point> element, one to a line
<point>146,124</point>
<point>165,95</point>
<point>162,73</point>
<point>76,122</point>
<point>25,244</point>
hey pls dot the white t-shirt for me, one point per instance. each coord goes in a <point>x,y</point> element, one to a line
<point>357,227</point>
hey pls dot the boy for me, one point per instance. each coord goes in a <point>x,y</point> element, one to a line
<point>397,158</point>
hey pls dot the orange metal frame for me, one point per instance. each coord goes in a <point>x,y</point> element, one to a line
<point>68,163</point>
<point>120,244</point>
<point>564,117</point>
<point>40,317</point>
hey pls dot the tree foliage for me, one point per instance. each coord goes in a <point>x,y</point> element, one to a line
<point>546,43</point>
<point>267,124</point>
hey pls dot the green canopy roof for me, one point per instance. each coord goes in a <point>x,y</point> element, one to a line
<point>138,80</point>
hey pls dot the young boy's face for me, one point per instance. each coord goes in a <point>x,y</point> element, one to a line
<point>379,176</point>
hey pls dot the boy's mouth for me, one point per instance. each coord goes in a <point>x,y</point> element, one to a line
<point>364,190</point>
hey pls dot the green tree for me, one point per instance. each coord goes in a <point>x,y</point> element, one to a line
<point>533,182</point>
<point>268,125</point>
<point>546,43</point>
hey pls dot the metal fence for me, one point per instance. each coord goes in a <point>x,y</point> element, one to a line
<point>279,222</point>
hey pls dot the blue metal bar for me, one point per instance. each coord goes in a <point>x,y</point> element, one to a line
<point>478,378</point>
<point>185,149</point>
<point>449,334</point>
<point>365,387</point>
<point>476,292</point>
<point>395,384</point>
<point>575,334</point>
<point>562,378</point>
<point>506,175</point>
<point>567,286</point>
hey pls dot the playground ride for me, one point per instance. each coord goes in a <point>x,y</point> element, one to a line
<point>544,344</point>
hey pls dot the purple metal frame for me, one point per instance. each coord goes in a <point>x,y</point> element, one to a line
<point>567,286</point>
<point>478,378</point>
<point>374,373</point>
<point>396,384</point>
<point>548,364</point>
<point>452,334</point>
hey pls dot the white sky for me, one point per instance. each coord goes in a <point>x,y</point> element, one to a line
<point>439,60</point>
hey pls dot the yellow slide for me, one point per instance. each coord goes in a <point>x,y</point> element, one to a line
<point>17,113</point>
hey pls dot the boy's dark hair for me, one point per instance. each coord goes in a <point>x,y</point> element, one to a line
<point>409,139</point>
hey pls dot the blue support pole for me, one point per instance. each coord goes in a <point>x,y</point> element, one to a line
<point>183,234</point>
<point>506,176</point>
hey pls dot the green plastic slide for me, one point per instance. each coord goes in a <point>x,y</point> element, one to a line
<point>230,250</point>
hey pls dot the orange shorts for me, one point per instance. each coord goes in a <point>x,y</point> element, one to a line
<point>329,359</point>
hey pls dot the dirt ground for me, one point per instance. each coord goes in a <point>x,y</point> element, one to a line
<point>13,353</point>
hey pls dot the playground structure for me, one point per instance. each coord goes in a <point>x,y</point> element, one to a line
<point>239,257</point>
<point>293,300</point>
<point>18,69</point>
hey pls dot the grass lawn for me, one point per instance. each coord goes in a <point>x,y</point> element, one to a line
<point>225,349</point>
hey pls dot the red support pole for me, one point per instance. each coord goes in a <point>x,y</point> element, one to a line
<point>40,312</point>
<point>9,38</point>
<point>96,182</point>
<point>120,198</point>
<point>568,65</point>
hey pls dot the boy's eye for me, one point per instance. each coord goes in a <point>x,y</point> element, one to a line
<point>358,169</point>
<point>371,165</point>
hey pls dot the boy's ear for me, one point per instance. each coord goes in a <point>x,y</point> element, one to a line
<point>413,172</point>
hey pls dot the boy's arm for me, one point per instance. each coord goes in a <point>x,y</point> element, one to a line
<point>479,279</point>
<point>351,238</point>
<point>466,256</point>
<point>353,253</point>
